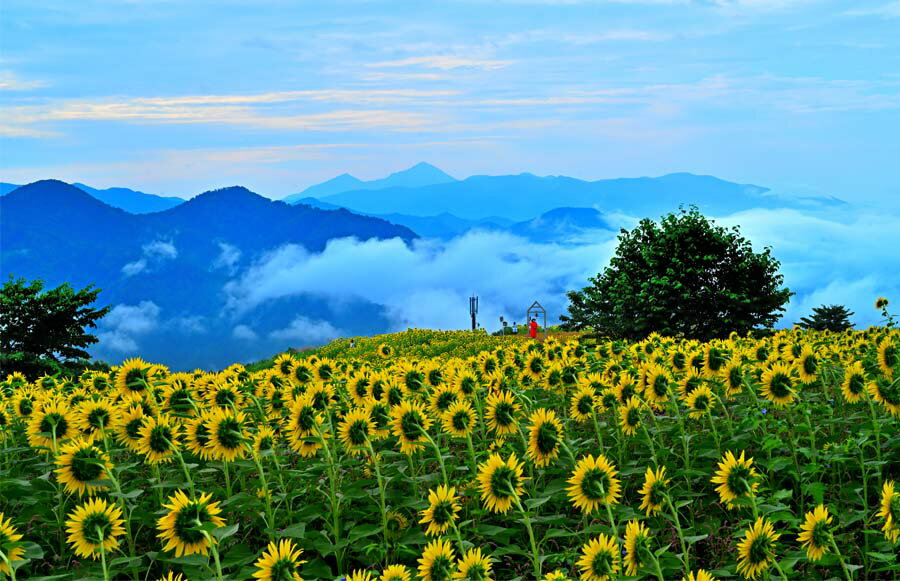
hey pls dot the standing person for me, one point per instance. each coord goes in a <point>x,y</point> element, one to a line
<point>533,329</point>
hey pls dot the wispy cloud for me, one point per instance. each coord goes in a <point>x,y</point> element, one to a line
<point>889,10</point>
<point>10,81</point>
<point>445,63</point>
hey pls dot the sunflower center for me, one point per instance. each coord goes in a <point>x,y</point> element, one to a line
<point>762,353</point>
<point>442,513</point>
<point>626,392</point>
<point>445,400</point>
<point>282,570</point>
<point>716,358</point>
<point>160,439</point>
<point>55,424</point>
<point>504,482</point>
<point>461,421</point>
<point>633,417</point>
<point>691,384</point>
<point>679,360</point>
<point>595,483</point>
<point>735,377</point>
<point>856,384</point>
<point>136,380</point>
<point>467,385</point>
<point>820,534</point>
<point>890,355</point>
<point>890,392</point>
<point>660,385</point>
<point>186,523</point>
<point>86,465</point>
<point>26,406</point>
<point>739,480</point>
<point>414,380</point>
<point>358,432</point>
<point>411,425</point>
<point>302,373</point>
<point>759,549</point>
<point>701,402</point>
<point>547,438</point>
<point>395,396</point>
<point>435,377</point>
<point>228,433</point>
<point>503,413</point>
<point>585,404</point>
<point>98,418</point>
<point>810,364</point>
<point>306,419</point>
<point>657,493</point>
<point>264,443</point>
<point>601,564</point>
<point>490,364</point>
<point>133,428</point>
<point>476,572</point>
<point>325,372</point>
<point>96,527</point>
<point>225,398</point>
<point>180,400</point>
<point>379,416</point>
<point>780,385</point>
<point>441,568</point>
<point>362,388</point>
<point>536,365</point>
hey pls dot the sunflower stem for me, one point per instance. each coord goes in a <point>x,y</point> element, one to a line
<point>877,426</point>
<point>376,463</point>
<point>437,452</point>
<point>840,557</point>
<point>215,553</point>
<point>120,500</point>
<point>267,497</point>
<point>535,559</point>
<point>227,478</point>
<point>102,553</point>
<point>685,558</point>
<point>9,565</point>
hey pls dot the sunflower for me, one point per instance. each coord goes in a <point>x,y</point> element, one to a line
<point>395,573</point>
<point>853,387</point>
<point>303,427</point>
<point>637,540</point>
<point>807,364</point>
<point>659,383</point>
<point>24,403</point>
<point>459,419</point>
<point>736,478</point>
<point>410,423</point>
<point>689,382</point>
<point>279,562</point>
<point>133,377</point>
<point>360,387</point>
<point>441,511</point>
<point>733,377</point>
<point>384,350</point>
<point>700,402</point>
<point>815,534</point>
<point>599,559</point>
<point>535,366</point>
<point>466,382</point>
<point>355,430</point>
<point>700,575</point>
<point>127,426</point>
<point>501,482</point>
<point>284,364</point>
<point>179,527</point>
<point>630,416</point>
<point>502,409</point>
<point>437,561</point>
<point>890,511</point>
<point>544,437</point>
<point>473,566</point>
<point>776,384</point>
<point>654,490</point>
<point>380,418</point>
<point>264,440</point>
<point>93,417</point>
<point>881,302</point>
<point>556,576</point>
<point>886,393</point>
<point>226,434</point>
<point>80,463</point>
<point>178,396</point>
<point>225,395</point>
<point>396,524</point>
<point>197,435</point>
<point>714,360</point>
<point>888,357</point>
<point>583,404</point>
<point>50,425</point>
<point>8,534</point>
<point>442,398</point>
<point>93,527</point>
<point>172,576</point>
<point>757,549</point>
<point>594,482</point>
<point>360,575</point>
<point>158,439</point>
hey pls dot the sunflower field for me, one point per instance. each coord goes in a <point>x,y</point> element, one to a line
<point>458,456</point>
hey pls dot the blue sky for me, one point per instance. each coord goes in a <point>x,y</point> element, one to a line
<point>179,97</point>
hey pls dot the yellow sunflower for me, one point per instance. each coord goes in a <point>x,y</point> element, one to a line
<point>172,576</point>
<point>51,424</point>
<point>881,302</point>
<point>777,384</point>
<point>133,377</point>
<point>583,404</point>
<point>8,534</point>
<point>659,384</point>
<point>93,527</point>
<point>355,430</point>
<point>380,418</point>
<point>442,397</point>
<point>700,575</point>
<point>654,490</point>
<point>395,573</point>
<point>410,423</point>
<point>80,463</point>
<point>815,535</point>
<point>700,402</point>
<point>887,393</point>
<point>889,510</point>
<point>441,511</point>
<point>556,576</point>
<point>473,566</point>
<point>459,419</point>
<point>384,350</point>
<point>158,439</point>
<point>535,366</point>
<point>437,561</point>
<point>500,482</point>
<point>630,416</point>
<point>502,409</point>
<point>94,418</point>
<point>360,575</point>
<point>127,426</point>
<point>179,527</point>
<point>284,364</point>
<point>279,562</point>
<point>197,435</point>
<point>736,478</point>
<point>637,541</point>
<point>690,381</point>
<point>594,482</point>
<point>303,427</point>
<point>807,364</point>
<point>599,559</point>
<point>756,551</point>
<point>226,434</point>
<point>544,437</point>
<point>853,387</point>
<point>733,377</point>
<point>888,357</point>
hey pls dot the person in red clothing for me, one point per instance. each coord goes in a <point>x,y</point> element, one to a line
<point>532,329</point>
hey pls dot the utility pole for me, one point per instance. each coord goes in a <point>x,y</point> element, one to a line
<point>473,309</point>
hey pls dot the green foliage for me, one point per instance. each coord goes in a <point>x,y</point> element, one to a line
<point>828,318</point>
<point>41,331</point>
<point>684,277</point>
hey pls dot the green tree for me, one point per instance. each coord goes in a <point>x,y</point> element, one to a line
<point>683,277</point>
<point>42,330</point>
<point>828,318</point>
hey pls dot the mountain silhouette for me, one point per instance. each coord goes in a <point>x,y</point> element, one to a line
<point>126,199</point>
<point>421,174</point>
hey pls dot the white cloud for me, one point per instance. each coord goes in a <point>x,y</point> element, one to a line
<point>152,252</point>
<point>244,333</point>
<point>120,329</point>
<point>9,81</point>
<point>136,267</point>
<point>445,63</point>
<point>304,331</point>
<point>228,256</point>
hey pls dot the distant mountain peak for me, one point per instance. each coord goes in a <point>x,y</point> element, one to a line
<point>419,175</point>
<point>423,173</point>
